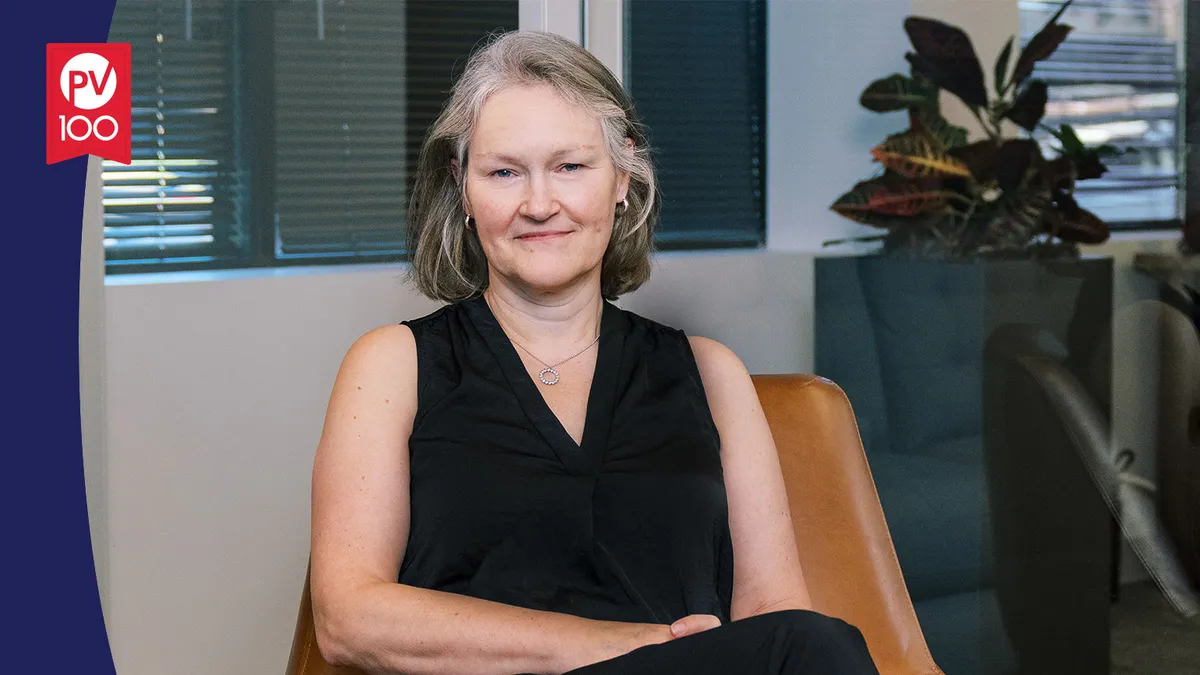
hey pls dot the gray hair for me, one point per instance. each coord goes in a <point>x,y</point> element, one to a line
<point>448,262</point>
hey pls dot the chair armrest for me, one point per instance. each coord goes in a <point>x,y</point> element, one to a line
<point>1041,357</point>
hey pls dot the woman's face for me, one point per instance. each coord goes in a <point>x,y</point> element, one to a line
<point>541,189</point>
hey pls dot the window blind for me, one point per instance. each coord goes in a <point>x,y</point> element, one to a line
<point>1117,80</point>
<point>441,37</point>
<point>697,73</point>
<point>357,85</point>
<point>176,201</point>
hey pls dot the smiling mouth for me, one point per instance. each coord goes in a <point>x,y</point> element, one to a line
<point>541,236</point>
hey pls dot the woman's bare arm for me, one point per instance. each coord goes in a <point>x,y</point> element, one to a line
<point>360,527</point>
<point>767,574</point>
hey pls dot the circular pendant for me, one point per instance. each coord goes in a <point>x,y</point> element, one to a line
<point>544,379</point>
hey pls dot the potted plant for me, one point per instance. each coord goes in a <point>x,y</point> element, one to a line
<point>940,196</point>
<point>976,236</point>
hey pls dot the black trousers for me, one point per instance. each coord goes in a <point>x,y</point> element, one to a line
<point>790,642</point>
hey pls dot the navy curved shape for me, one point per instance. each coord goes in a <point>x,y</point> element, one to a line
<point>50,600</point>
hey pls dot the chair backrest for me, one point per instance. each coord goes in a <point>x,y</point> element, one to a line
<point>847,553</point>
<point>306,658</point>
<point>849,563</point>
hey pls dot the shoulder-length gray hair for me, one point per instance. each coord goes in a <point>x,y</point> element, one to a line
<point>448,262</point>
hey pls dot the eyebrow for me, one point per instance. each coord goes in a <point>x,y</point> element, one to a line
<point>499,156</point>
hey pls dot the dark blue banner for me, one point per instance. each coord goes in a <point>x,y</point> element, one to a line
<point>51,603</point>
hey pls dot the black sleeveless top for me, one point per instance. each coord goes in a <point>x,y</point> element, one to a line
<point>631,525</point>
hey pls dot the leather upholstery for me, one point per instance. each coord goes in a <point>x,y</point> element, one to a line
<point>847,553</point>
<point>845,548</point>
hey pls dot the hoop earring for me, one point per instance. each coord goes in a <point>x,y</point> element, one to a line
<point>624,206</point>
<point>467,222</point>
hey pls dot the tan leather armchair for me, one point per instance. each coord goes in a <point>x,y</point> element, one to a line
<point>847,553</point>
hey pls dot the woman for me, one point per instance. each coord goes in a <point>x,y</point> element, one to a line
<point>555,484</point>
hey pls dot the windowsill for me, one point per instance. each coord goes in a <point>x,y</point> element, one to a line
<point>1165,234</point>
<point>192,276</point>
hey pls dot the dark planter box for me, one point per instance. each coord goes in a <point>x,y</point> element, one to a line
<point>1005,543</point>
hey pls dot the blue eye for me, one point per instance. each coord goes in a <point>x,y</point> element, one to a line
<point>577,166</point>
<point>497,171</point>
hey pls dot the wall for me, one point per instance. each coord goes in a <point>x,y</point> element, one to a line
<point>821,55</point>
<point>201,445</point>
<point>93,412</point>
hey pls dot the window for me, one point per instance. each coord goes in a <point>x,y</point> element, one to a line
<point>285,132</point>
<point>697,73</point>
<point>1117,79</point>
<point>269,133</point>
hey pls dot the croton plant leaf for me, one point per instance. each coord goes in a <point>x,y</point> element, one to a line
<point>1013,162</point>
<point>979,158</point>
<point>1002,65</point>
<point>1087,161</point>
<point>1042,45</point>
<point>908,201</point>
<point>1089,166</point>
<point>873,201</point>
<point>918,155</point>
<point>897,92</point>
<point>854,204</point>
<point>945,54</point>
<point>1080,226</point>
<point>1016,217</point>
<point>1030,107</point>
<point>930,121</point>
<point>1069,139</point>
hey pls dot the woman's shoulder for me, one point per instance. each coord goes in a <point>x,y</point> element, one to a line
<point>715,360</point>
<point>386,350</point>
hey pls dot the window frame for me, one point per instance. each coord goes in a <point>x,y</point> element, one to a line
<point>1190,117</point>
<point>598,25</point>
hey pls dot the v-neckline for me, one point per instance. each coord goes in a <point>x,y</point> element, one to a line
<point>582,456</point>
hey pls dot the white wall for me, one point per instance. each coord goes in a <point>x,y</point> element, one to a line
<point>215,389</point>
<point>92,365</point>
<point>821,54</point>
<point>216,393</point>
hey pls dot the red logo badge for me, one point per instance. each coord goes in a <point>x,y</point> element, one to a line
<point>88,103</point>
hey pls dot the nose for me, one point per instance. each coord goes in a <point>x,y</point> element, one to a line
<point>540,202</point>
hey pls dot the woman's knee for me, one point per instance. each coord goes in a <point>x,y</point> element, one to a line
<point>805,622</point>
<point>824,640</point>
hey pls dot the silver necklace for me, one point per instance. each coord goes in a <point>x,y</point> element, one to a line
<point>549,368</point>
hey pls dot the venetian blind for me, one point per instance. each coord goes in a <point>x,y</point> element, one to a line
<point>176,202</point>
<point>1117,79</point>
<point>697,73</point>
<point>357,84</point>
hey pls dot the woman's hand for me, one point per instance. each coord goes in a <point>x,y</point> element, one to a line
<point>694,623</point>
<point>617,639</point>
